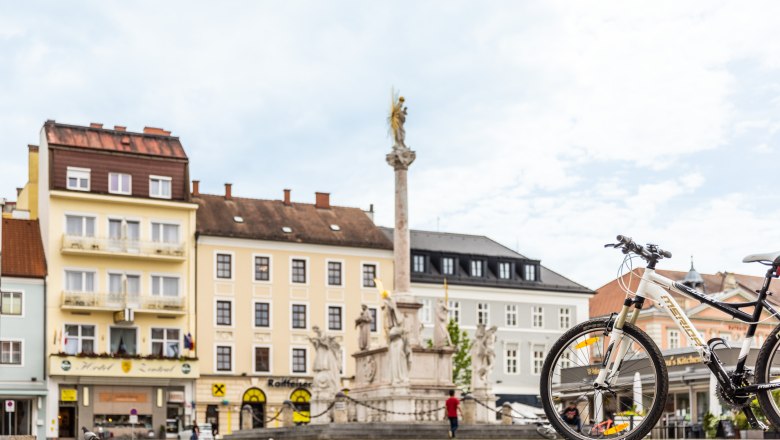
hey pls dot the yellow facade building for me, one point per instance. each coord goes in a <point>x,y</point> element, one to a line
<point>117,226</point>
<point>268,272</point>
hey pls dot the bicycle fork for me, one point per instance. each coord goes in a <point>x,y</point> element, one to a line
<point>610,365</point>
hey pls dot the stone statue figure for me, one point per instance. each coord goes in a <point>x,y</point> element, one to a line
<point>483,354</point>
<point>441,337</point>
<point>397,119</point>
<point>392,317</point>
<point>327,362</point>
<point>363,323</point>
<point>399,349</point>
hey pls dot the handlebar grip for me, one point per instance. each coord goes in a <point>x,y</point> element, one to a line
<point>666,254</point>
<point>623,239</point>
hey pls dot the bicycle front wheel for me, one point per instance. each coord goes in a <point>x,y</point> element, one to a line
<point>767,371</point>
<point>635,396</point>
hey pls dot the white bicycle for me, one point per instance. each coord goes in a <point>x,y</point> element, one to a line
<point>610,365</point>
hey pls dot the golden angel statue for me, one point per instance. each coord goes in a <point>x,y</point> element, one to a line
<point>396,120</point>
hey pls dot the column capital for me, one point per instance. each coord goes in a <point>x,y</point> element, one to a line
<point>401,158</point>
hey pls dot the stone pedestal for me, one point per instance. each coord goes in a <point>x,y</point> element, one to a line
<point>319,404</point>
<point>486,397</point>
<point>506,414</point>
<point>411,317</point>
<point>287,414</point>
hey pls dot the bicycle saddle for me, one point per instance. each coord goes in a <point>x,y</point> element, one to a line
<point>766,258</point>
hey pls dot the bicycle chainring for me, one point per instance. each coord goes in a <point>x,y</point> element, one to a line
<point>733,401</point>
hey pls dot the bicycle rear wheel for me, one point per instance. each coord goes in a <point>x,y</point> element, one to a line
<point>634,398</point>
<point>768,370</point>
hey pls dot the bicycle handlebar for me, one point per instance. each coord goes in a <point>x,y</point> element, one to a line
<point>650,252</point>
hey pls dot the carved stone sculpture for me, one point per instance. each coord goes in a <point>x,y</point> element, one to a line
<point>441,337</point>
<point>483,354</point>
<point>399,349</point>
<point>363,323</point>
<point>327,362</point>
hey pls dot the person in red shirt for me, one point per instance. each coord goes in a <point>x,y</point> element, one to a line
<point>453,407</point>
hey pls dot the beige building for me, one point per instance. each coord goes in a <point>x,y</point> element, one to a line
<point>268,272</point>
<point>118,230</point>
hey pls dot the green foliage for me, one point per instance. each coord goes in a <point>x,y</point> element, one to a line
<point>740,421</point>
<point>461,361</point>
<point>710,423</point>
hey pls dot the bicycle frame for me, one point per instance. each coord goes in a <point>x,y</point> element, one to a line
<point>657,287</point>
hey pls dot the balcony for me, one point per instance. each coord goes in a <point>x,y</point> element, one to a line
<point>110,247</point>
<point>131,366</point>
<point>114,302</point>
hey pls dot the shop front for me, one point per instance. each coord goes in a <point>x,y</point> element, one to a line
<point>22,414</point>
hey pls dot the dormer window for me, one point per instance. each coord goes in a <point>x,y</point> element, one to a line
<point>476,268</point>
<point>447,266</point>
<point>78,179</point>
<point>504,270</point>
<point>529,272</point>
<point>418,263</point>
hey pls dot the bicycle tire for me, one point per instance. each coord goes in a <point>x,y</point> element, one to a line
<point>763,369</point>
<point>661,385</point>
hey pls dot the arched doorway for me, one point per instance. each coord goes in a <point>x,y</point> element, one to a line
<point>255,399</point>
<point>302,400</point>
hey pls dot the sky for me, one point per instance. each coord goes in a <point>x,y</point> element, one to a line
<point>548,126</point>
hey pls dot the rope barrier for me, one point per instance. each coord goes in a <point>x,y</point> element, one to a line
<point>405,413</point>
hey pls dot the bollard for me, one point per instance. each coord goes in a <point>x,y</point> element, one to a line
<point>246,417</point>
<point>506,414</point>
<point>287,414</point>
<point>469,410</point>
<point>340,408</point>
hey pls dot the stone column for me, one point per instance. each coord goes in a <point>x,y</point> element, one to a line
<point>287,414</point>
<point>340,408</point>
<point>469,410</point>
<point>506,414</point>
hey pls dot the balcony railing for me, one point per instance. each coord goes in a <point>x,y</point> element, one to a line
<point>114,302</point>
<point>76,244</point>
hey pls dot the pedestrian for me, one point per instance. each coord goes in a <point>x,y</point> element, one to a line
<point>195,432</point>
<point>453,407</point>
<point>571,415</point>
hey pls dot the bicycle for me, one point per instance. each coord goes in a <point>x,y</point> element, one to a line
<point>599,362</point>
<point>545,430</point>
<point>600,429</point>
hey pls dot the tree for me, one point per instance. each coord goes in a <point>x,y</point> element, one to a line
<point>461,361</point>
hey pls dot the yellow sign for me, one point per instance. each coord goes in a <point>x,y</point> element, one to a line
<point>127,366</point>
<point>218,390</point>
<point>68,395</point>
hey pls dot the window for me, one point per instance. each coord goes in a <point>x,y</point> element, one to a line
<point>165,342</point>
<point>566,360</point>
<point>454,312</point>
<point>298,360</point>
<point>537,317</point>
<point>564,318</point>
<point>483,313</point>
<point>224,358</point>
<point>476,268</point>
<point>78,179</point>
<point>510,359</point>
<point>511,315</point>
<point>11,303</point>
<point>120,283</point>
<point>79,226</point>
<point>79,281</point>
<point>120,229</point>
<point>11,352</point>
<point>334,273</point>
<point>262,314</point>
<point>369,275</point>
<point>165,232</point>
<point>262,269</point>
<point>224,266</point>
<point>538,360</point>
<point>262,360</point>
<point>504,270</point>
<point>447,266</point>
<point>425,311</point>
<point>299,271</point>
<point>160,187</point>
<point>373,327</point>
<point>165,286</point>
<point>334,318</point>
<point>299,316</point>
<point>530,272</point>
<point>123,341</point>
<point>79,339</point>
<point>418,263</point>
<point>674,338</point>
<point>224,312</point>
<point>119,183</point>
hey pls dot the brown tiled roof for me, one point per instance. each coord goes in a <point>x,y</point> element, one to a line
<point>22,249</point>
<point>264,220</point>
<point>157,144</point>
<point>609,297</point>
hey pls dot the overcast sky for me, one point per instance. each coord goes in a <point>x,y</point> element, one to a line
<point>549,127</point>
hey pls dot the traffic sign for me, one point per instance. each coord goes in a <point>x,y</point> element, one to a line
<point>10,406</point>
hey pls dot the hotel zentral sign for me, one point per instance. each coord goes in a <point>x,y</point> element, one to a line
<point>163,368</point>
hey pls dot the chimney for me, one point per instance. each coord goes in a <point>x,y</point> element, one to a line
<point>120,128</point>
<point>155,130</point>
<point>322,200</point>
<point>95,125</point>
<point>228,191</point>
<point>287,201</point>
<point>196,187</point>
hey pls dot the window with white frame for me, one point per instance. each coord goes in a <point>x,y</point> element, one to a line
<point>11,352</point>
<point>262,314</point>
<point>165,342</point>
<point>120,229</point>
<point>447,266</point>
<point>335,318</point>
<point>530,272</point>
<point>476,268</point>
<point>425,311</point>
<point>564,318</point>
<point>298,360</point>
<point>504,270</point>
<point>121,283</point>
<point>79,339</point>
<point>483,313</point>
<point>418,263</point>
<point>299,316</point>
<point>673,336</point>
<point>224,358</point>
<point>298,274</point>
<point>334,273</point>
<point>165,286</point>
<point>79,281</point>
<point>78,179</point>
<point>537,317</point>
<point>224,312</point>
<point>538,360</point>
<point>262,360</point>
<point>119,183</point>
<point>11,303</point>
<point>160,187</point>
<point>262,268</point>
<point>454,313</point>
<point>373,327</point>
<point>80,225</point>
<point>224,266</point>
<point>565,361</point>
<point>165,232</point>
<point>510,358</point>
<point>369,275</point>
<point>123,340</point>
<point>511,315</point>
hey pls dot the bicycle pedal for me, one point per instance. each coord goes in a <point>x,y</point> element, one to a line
<point>714,342</point>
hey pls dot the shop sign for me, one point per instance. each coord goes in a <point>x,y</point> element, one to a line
<point>218,390</point>
<point>68,394</point>
<point>674,361</point>
<point>110,367</point>
<point>288,383</point>
<point>65,365</point>
<point>186,368</point>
